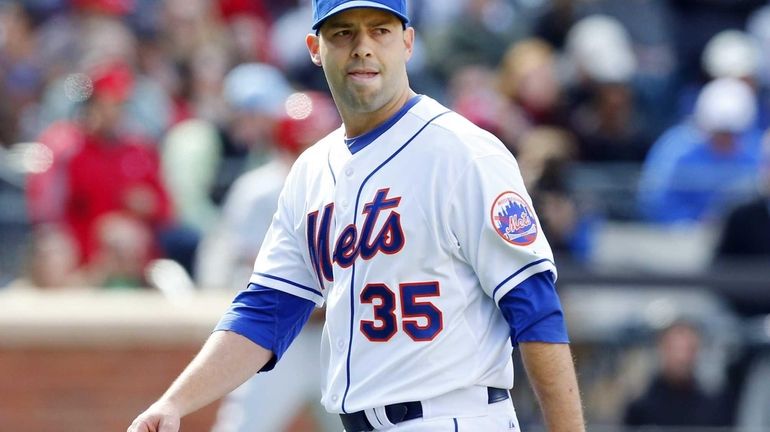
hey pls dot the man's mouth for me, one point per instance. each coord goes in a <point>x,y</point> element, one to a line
<point>363,74</point>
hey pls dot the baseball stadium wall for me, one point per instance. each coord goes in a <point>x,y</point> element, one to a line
<point>75,361</point>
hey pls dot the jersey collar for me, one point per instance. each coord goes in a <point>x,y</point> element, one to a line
<point>355,144</point>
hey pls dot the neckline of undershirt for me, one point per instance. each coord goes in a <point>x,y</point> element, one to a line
<point>355,144</point>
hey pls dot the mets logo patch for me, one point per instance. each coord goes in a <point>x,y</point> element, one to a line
<point>513,219</point>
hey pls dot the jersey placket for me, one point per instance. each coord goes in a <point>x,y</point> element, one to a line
<point>342,297</point>
<point>353,187</point>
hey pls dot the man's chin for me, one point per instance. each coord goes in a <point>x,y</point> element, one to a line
<point>365,100</point>
<point>361,89</point>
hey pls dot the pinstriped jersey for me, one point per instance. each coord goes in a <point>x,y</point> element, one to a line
<point>410,242</point>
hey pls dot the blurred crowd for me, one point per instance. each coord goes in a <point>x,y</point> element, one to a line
<point>138,132</point>
<point>126,124</point>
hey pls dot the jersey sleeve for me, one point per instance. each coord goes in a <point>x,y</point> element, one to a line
<point>493,222</point>
<point>270,318</point>
<point>281,263</point>
<point>533,311</point>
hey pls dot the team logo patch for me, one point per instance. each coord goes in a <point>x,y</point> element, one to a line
<point>513,219</point>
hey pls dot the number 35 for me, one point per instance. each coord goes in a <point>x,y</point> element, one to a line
<point>385,323</point>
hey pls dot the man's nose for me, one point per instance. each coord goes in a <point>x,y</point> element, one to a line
<point>363,46</point>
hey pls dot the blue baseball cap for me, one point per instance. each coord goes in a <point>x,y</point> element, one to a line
<point>323,9</point>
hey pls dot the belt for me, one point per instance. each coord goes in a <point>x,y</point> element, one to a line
<point>401,412</point>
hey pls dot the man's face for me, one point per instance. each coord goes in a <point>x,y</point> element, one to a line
<point>678,349</point>
<point>104,115</point>
<point>363,52</point>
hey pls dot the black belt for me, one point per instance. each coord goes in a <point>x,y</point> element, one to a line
<point>401,412</point>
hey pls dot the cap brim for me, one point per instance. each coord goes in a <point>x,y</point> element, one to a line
<point>358,4</point>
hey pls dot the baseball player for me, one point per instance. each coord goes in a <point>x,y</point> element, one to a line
<point>415,230</point>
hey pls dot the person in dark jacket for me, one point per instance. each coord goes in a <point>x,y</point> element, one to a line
<point>746,233</point>
<point>674,396</point>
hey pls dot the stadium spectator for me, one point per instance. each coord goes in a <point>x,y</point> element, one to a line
<point>527,77</point>
<point>124,247</point>
<point>650,37</point>
<point>251,36</point>
<point>201,158</point>
<point>289,51</point>
<point>545,155</point>
<point>554,22</point>
<point>736,54</point>
<point>488,27</point>
<point>97,40</point>
<point>14,220</point>
<point>746,233</point>
<point>473,95</point>
<point>694,22</point>
<point>46,190</point>
<point>674,396</point>
<point>51,261</point>
<point>22,70</point>
<point>230,9</point>
<point>732,54</point>
<point>698,169</point>
<point>603,111</point>
<point>758,26</point>
<point>230,247</point>
<point>113,171</point>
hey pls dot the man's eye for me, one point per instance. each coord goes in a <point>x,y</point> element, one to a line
<point>381,31</point>
<point>342,33</point>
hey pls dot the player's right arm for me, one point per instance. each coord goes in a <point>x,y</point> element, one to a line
<point>256,330</point>
<point>226,360</point>
<point>251,336</point>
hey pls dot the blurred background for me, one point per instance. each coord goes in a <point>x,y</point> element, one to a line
<point>143,144</point>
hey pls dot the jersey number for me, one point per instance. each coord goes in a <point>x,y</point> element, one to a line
<point>421,320</point>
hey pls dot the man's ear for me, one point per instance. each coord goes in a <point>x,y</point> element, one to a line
<point>409,41</point>
<point>314,48</point>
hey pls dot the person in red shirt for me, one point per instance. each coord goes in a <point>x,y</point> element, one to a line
<point>114,172</point>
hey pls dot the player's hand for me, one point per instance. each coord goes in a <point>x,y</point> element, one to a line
<point>158,417</point>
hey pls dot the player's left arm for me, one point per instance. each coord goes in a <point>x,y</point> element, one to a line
<point>517,272</point>
<point>551,373</point>
<point>536,320</point>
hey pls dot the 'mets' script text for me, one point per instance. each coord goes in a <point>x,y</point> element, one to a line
<point>352,244</point>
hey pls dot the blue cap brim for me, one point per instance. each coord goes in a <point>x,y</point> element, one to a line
<point>358,4</point>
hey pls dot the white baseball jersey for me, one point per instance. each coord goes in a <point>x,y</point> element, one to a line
<point>410,242</point>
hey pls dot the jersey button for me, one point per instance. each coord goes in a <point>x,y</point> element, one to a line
<point>344,203</point>
<point>349,172</point>
<point>341,344</point>
<point>335,398</point>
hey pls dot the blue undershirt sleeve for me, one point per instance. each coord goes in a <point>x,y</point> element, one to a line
<point>268,317</point>
<point>533,311</point>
